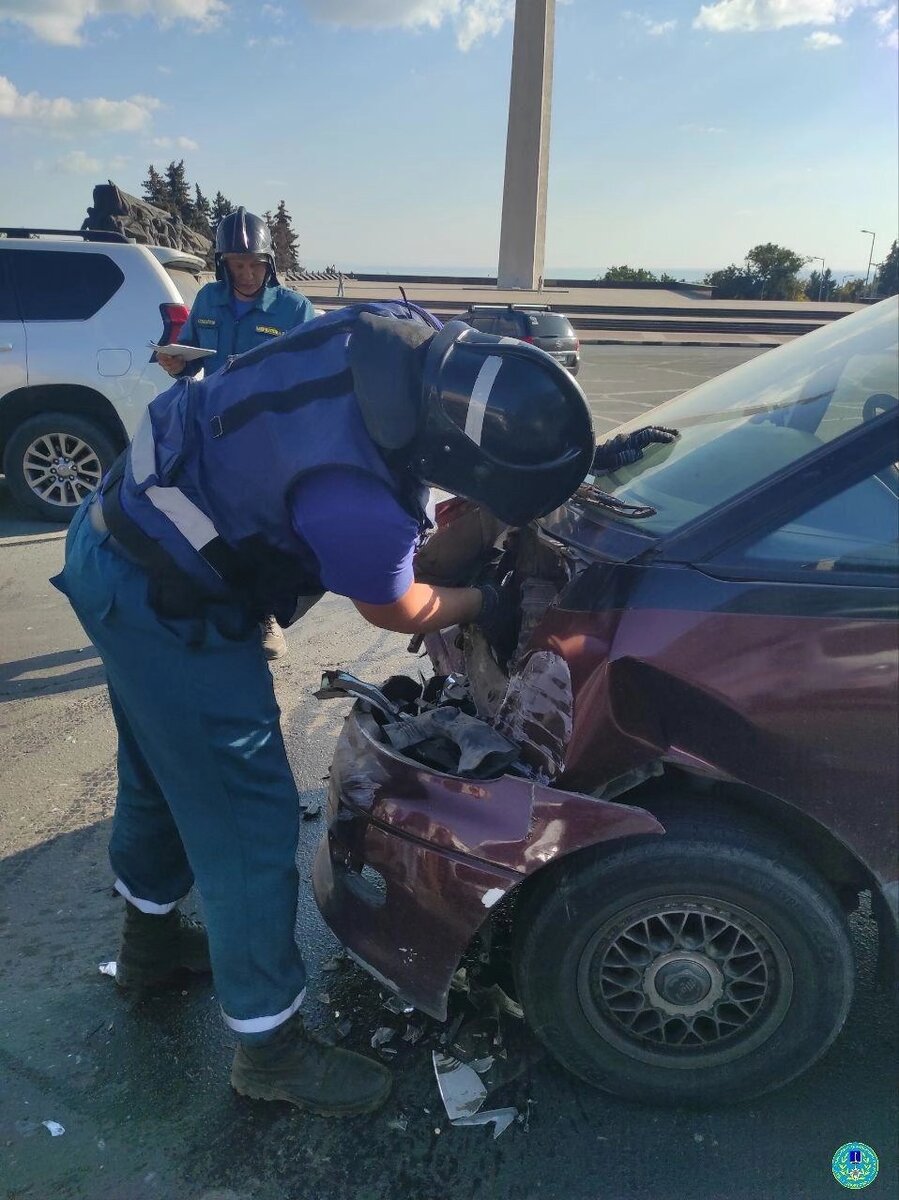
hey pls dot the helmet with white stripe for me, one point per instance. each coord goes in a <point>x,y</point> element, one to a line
<point>502,423</point>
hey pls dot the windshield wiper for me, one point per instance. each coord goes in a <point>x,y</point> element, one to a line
<point>634,512</point>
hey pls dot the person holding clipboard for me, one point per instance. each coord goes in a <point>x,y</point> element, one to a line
<point>244,308</point>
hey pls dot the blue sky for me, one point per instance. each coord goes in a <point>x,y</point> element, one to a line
<point>682,133</point>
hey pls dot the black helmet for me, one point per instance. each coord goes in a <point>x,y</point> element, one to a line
<point>501,423</point>
<point>242,232</point>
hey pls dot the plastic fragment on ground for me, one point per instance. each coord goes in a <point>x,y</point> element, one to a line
<point>108,968</point>
<point>461,1089</point>
<point>382,1036</point>
<point>400,1123</point>
<point>56,1130</point>
<point>395,1004</point>
<point>500,1118</point>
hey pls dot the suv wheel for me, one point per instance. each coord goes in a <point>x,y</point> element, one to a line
<point>684,971</point>
<point>53,461</point>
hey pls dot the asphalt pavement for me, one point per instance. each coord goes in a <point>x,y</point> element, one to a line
<point>140,1088</point>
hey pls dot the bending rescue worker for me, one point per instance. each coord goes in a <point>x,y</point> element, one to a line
<point>245,307</point>
<point>299,468</point>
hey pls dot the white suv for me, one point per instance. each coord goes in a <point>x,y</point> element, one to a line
<point>76,313</point>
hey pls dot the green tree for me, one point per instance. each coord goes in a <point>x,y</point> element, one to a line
<point>202,214</point>
<point>220,208</point>
<point>626,274</point>
<point>888,278</point>
<point>818,286</point>
<point>180,204</point>
<point>285,240</point>
<point>155,189</point>
<point>777,270</point>
<point>850,289</point>
<point>733,283</point>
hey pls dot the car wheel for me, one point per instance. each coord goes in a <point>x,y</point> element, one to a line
<point>684,971</point>
<point>53,461</point>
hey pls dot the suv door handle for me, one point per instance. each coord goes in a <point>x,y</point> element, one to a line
<point>5,346</point>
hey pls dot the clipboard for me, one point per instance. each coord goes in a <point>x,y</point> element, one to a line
<point>185,353</point>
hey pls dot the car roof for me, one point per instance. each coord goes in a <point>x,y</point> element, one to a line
<point>82,239</point>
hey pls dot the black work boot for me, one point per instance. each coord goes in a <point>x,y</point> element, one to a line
<point>156,947</point>
<point>297,1067</point>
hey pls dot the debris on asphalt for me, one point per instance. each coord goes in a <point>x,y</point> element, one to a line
<point>399,1006</point>
<point>501,1119</point>
<point>323,998</point>
<point>56,1130</point>
<point>482,1065</point>
<point>400,1123</point>
<point>382,1036</point>
<point>334,963</point>
<point>343,1028</point>
<point>461,1088</point>
<point>108,968</point>
<point>311,810</point>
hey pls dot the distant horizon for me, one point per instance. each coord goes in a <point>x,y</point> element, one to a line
<point>684,274</point>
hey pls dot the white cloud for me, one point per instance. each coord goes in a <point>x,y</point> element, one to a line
<point>62,21</point>
<point>78,162</point>
<point>178,143</point>
<point>274,42</point>
<point>653,28</point>
<point>471,19</point>
<point>273,11</point>
<point>886,21</point>
<point>704,129</point>
<point>752,16</point>
<point>819,40</point>
<point>62,115</point>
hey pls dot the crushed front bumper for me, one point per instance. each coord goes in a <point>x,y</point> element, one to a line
<point>414,860</point>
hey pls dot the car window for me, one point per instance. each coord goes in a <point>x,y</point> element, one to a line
<point>9,310</point>
<point>186,282</point>
<point>741,428</point>
<point>484,324</point>
<point>856,530</point>
<point>552,325</point>
<point>59,285</point>
<point>508,325</point>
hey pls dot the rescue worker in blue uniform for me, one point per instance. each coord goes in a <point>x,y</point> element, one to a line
<point>299,468</point>
<point>245,307</point>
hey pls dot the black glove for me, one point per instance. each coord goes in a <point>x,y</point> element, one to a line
<point>499,618</point>
<point>628,448</point>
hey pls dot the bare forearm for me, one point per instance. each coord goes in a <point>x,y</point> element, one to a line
<point>423,608</point>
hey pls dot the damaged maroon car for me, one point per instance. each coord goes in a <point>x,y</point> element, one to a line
<point>678,776</point>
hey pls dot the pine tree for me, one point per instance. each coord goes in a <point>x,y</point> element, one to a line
<point>180,204</point>
<point>284,239</point>
<point>155,189</point>
<point>220,208</point>
<point>202,214</point>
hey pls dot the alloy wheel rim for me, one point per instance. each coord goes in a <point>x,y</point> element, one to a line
<point>685,981</point>
<point>61,469</point>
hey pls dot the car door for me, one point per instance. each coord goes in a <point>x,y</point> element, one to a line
<point>13,358</point>
<point>806,648</point>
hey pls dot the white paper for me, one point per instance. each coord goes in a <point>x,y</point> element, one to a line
<point>185,353</point>
<point>56,1130</point>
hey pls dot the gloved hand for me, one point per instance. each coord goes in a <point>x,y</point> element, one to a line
<point>628,448</point>
<point>499,618</point>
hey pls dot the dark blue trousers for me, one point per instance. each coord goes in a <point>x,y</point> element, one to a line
<point>205,790</point>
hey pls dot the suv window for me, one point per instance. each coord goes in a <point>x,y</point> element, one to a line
<point>483,324</point>
<point>186,282</point>
<point>8,308</point>
<point>550,325</point>
<point>510,325</point>
<point>58,285</point>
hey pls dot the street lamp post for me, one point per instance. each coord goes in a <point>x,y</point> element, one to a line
<point>818,258</point>
<point>870,256</point>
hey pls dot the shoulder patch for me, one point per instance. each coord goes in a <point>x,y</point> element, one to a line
<point>270,330</point>
<point>207,322</point>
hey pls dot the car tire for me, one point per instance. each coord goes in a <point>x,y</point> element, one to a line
<point>62,435</point>
<point>684,971</point>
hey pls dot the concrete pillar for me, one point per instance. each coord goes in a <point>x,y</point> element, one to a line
<point>522,241</point>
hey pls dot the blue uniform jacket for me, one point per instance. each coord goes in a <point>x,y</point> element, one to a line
<point>213,325</point>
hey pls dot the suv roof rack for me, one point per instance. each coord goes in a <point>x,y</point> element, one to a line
<point>89,235</point>
<point>514,307</point>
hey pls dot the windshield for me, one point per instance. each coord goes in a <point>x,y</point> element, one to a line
<point>752,422</point>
